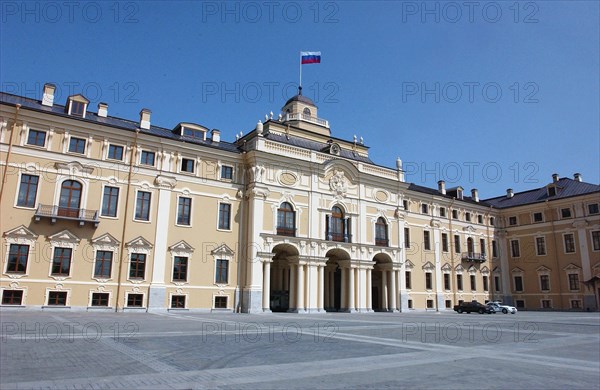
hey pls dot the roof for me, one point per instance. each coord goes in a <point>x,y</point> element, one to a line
<point>301,99</point>
<point>124,124</point>
<point>566,188</point>
<point>433,191</point>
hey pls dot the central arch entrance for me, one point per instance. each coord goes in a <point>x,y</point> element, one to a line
<point>282,283</point>
<point>333,280</point>
<point>380,282</point>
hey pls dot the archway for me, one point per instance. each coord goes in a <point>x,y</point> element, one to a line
<point>333,280</point>
<point>281,295</point>
<point>381,282</point>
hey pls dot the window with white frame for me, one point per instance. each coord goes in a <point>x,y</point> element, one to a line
<point>110,201</point>
<point>115,152</point>
<point>593,209</point>
<point>188,165</point>
<point>442,211</point>
<point>569,241</point>
<point>565,213</point>
<point>103,264</point>
<point>538,217</point>
<point>224,216</point>
<point>544,282</point>
<point>28,190</point>
<point>12,297</point>
<point>184,211</point>
<point>518,283</point>
<point>36,138</point>
<point>540,246</point>
<point>142,206</point>
<point>147,158</point>
<point>222,271</point>
<point>77,145</point>
<point>512,221</point>
<point>100,299</point>
<point>596,240</point>
<point>573,281</point>
<point>18,257</point>
<point>226,172</point>
<point>515,249</point>
<point>180,269</point>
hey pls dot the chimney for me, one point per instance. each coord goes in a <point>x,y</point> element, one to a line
<point>509,193</point>
<point>475,194</point>
<point>48,97</point>
<point>145,118</point>
<point>102,109</point>
<point>216,135</point>
<point>555,177</point>
<point>442,187</point>
<point>577,177</point>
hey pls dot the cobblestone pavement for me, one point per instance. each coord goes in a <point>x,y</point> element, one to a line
<point>58,349</point>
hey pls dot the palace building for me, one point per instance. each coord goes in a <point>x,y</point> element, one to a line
<point>104,213</point>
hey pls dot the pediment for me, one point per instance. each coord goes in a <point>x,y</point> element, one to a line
<point>409,265</point>
<point>485,270</point>
<point>79,98</point>
<point>497,270</point>
<point>20,234</point>
<point>459,268</point>
<point>64,236</point>
<point>222,250</point>
<point>472,269</point>
<point>572,267</point>
<point>543,268</point>
<point>105,240</point>
<point>517,270</point>
<point>139,242</point>
<point>447,267</point>
<point>428,266</point>
<point>469,229</point>
<point>181,247</point>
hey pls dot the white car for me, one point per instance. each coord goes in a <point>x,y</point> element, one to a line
<point>498,307</point>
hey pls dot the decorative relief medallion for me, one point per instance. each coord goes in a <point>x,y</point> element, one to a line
<point>338,183</point>
<point>381,196</point>
<point>288,179</point>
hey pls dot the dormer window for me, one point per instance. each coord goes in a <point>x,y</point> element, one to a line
<point>77,105</point>
<point>193,133</point>
<point>191,130</point>
<point>459,193</point>
<point>552,191</point>
<point>77,108</point>
<point>306,111</point>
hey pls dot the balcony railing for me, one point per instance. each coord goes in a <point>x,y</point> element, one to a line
<point>284,231</point>
<point>474,257</point>
<point>297,116</point>
<point>381,242</point>
<point>56,212</point>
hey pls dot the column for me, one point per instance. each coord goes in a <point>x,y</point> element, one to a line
<point>253,289</point>
<point>351,291</point>
<point>369,291</point>
<point>392,306</point>
<point>589,298</point>
<point>321,271</point>
<point>343,292</point>
<point>300,288</point>
<point>402,285</point>
<point>292,293</point>
<point>266,300</point>
<point>326,286</point>
<point>332,288</point>
<point>437,246</point>
<point>504,268</point>
<point>384,288</point>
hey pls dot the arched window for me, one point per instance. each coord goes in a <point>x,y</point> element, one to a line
<point>381,233</point>
<point>70,199</point>
<point>286,220</point>
<point>306,111</point>
<point>337,225</point>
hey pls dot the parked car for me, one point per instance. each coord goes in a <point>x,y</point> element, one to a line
<point>474,306</point>
<point>500,308</point>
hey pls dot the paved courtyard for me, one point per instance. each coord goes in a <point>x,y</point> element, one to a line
<point>57,349</point>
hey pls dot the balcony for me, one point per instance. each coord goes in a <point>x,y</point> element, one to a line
<point>56,212</point>
<point>473,257</point>
<point>296,116</point>
<point>381,242</point>
<point>285,231</point>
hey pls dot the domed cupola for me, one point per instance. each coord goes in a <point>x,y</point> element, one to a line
<point>301,111</point>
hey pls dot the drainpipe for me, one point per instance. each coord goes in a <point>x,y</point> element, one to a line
<point>131,159</point>
<point>10,143</point>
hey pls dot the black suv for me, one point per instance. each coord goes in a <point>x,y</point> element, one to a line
<point>474,306</point>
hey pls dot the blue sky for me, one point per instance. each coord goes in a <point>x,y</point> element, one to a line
<point>489,95</point>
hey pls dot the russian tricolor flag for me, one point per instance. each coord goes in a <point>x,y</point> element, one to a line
<point>311,57</point>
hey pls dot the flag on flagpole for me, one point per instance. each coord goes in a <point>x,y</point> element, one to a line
<point>310,57</point>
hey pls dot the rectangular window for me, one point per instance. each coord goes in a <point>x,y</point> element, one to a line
<point>565,213</point>
<point>410,303</point>
<point>226,172</point>
<point>61,263</point>
<point>546,304</point>
<point>482,247</point>
<point>430,303</point>
<point>137,266</point>
<point>456,243</point>
<point>515,250</point>
<point>142,206</point>
<point>593,209</point>
<point>221,302</point>
<point>454,214</point>
<point>520,304</point>
<point>12,297</point>
<point>147,158</point>
<point>57,298</point>
<point>545,282</point>
<point>596,240</point>
<point>492,221</point>
<point>448,304</point>
<point>428,281</point>
<point>569,243</point>
<point>426,240</point>
<point>473,282</point>
<point>424,209</point>
<point>468,217</point>
<point>405,204</point>
<point>538,217</point>
<point>36,138</point>
<point>178,302</point>
<point>442,211</point>
<point>17,259</point>
<point>187,165</point>
<point>540,246</point>
<point>224,216</point>
<point>100,299</point>
<point>446,281</point>
<point>459,282</point>
<point>408,279</point>
<point>110,201</point>
<point>184,209</point>
<point>115,152</point>
<point>180,265</point>
<point>77,145</point>
<point>512,221</point>
<point>518,283</point>
<point>135,300</point>
<point>574,282</point>
<point>27,191</point>
<point>444,242</point>
<point>486,283</point>
<point>103,267</point>
<point>480,219</point>
<point>77,108</point>
<point>575,304</point>
<point>497,283</point>
<point>407,237</point>
<point>222,271</point>
<point>494,248</point>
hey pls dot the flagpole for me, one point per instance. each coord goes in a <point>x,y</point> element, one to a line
<point>300,85</point>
